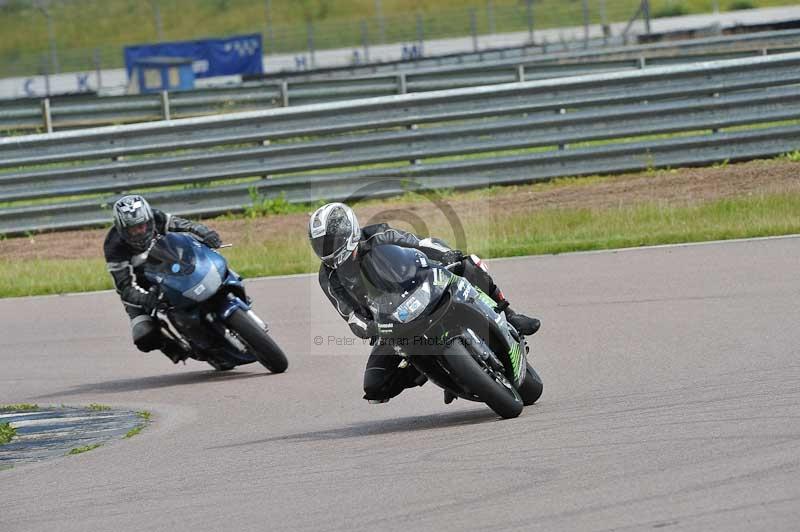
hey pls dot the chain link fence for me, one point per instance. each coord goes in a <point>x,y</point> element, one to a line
<point>88,35</point>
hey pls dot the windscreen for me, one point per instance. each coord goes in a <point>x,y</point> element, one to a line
<point>391,269</point>
<point>173,254</point>
<point>391,273</point>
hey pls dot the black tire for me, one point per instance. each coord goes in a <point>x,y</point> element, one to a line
<point>263,347</point>
<point>532,386</point>
<point>504,400</point>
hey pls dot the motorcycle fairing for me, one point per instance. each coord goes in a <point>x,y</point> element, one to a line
<point>394,274</point>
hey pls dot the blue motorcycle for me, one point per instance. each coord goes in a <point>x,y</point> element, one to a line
<point>205,307</point>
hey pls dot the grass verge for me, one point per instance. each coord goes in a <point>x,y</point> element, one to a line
<point>652,223</point>
<point>497,234</point>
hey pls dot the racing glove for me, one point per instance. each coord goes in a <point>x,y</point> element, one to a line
<point>454,255</point>
<point>362,327</point>
<point>210,237</point>
<point>147,300</point>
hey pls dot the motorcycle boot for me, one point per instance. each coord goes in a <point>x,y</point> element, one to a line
<point>449,397</point>
<point>523,324</point>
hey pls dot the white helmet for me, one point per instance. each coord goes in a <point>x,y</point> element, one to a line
<point>334,233</point>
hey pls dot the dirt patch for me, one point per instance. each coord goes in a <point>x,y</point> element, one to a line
<point>683,186</point>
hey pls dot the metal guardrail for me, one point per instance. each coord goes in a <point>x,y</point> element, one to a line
<point>470,137</point>
<point>78,111</point>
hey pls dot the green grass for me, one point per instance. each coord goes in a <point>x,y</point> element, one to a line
<point>741,4</point>
<point>108,25</point>
<point>19,407</point>
<point>85,448</point>
<point>41,277</point>
<point>551,230</point>
<point>671,9</point>
<point>98,407</point>
<point>6,433</point>
<point>554,231</point>
<point>793,156</point>
<point>144,414</point>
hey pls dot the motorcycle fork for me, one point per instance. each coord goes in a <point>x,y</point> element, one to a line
<point>167,331</point>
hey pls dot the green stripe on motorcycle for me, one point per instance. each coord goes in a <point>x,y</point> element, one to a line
<point>514,355</point>
<point>485,298</point>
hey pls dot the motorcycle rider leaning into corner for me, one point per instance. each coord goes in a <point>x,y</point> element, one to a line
<point>136,225</point>
<point>339,242</point>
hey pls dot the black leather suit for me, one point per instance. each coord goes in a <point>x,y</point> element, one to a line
<point>383,378</point>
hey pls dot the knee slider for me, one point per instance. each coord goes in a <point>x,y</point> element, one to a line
<point>146,334</point>
<point>375,382</point>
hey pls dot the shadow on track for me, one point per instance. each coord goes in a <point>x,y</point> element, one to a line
<point>374,428</point>
<point>155,382</point>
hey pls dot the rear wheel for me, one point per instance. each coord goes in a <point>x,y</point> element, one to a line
<point>532,386</point>
<point>258,341</point>
<point>489,385</point>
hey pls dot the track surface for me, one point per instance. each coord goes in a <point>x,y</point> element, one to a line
<point>672,399</point>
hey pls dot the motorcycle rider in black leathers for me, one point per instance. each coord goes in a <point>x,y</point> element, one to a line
<point>136,225</point>
<point>339,242</point>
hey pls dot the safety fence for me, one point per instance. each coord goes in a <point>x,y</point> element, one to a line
<point>555,52</point>
<point>338,85</point>
<point>511,133</point>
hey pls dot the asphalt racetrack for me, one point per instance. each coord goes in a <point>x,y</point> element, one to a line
<point>671,401</point>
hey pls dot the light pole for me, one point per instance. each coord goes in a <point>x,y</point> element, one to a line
<point>381,21</point>
<point>586,24</point>
<point>45,7</point>
<point>157,20</point>
<point>270,31</point>
<point>529,13</point>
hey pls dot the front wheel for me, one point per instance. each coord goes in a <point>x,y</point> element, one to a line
<point>532,386</point>
<point>261,345</point>
<point>491,387</point>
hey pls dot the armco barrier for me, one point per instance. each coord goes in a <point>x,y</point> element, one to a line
<point>316,87</point>
<point>518,132</point>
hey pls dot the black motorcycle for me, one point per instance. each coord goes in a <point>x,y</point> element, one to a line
<point>206,304</point>
<point>448,330</point>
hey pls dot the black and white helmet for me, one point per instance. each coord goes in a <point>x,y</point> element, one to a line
<point>134,221</point>
<point>334,233</point>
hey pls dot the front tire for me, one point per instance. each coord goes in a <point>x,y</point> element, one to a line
<point>532,386</point>
<point>261,345</point>
<point>502,398</point>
